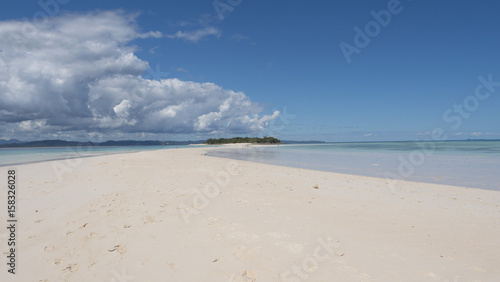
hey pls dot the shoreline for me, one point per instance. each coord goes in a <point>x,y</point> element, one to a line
<point>163,213</point>
<point>79,156</point>
<point>454,169</point>
<point>236,146</point>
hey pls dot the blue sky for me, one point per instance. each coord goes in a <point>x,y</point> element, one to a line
<point>417,73</point>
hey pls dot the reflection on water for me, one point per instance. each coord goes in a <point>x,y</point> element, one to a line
<point>469,164</point>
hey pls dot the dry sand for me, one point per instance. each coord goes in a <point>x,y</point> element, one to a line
<point>177,215</point>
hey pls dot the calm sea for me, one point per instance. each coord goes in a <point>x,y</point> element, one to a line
<point>14,156</point>
<point>474,164</point>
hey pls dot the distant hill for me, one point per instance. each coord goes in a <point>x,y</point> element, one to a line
<point>10,141</point>
<point>63,143</point>
<point>264,140</point>
<point>47,143</point>
<point>133,143</point>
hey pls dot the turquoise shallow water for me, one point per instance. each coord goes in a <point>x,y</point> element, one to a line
<point>13,156</point>
<point>474,164</point>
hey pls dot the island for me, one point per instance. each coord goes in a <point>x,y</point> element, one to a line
<point>264,140</point>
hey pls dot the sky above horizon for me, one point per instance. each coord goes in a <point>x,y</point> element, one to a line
<point>296,70</point>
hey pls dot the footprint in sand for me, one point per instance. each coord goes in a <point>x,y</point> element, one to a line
<point>246,276</point>
<point>72,267</point>
<point>121,249</point>
<point>213,221</point>
<point>150,219</point>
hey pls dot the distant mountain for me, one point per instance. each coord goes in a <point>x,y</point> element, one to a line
<point>132,143</point>
<point>10,141</point>
<point>146,143</point>
<point>253,140</point>
<point>63,143</point>
<point>48,143</point>
<point>189,142</point>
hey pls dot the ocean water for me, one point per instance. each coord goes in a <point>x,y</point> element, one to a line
<point>15,156</point>
<point>474,164</point>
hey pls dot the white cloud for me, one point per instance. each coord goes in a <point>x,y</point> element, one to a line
<point>196,35</point>
<point>239,37</point>
<point>153,34</point>
<point>121,110</point>
<point>476,134</point>
<point>79,74</point>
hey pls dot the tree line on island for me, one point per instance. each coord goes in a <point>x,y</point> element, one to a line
<point>264,140</point>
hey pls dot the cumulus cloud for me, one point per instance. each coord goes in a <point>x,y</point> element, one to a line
<point>80,73</point>
<point>196,35</point>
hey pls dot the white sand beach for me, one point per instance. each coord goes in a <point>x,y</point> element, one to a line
<point>178,215</point>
